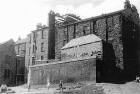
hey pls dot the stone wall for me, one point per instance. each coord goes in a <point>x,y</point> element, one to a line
<point>68,71</point>
<point>107,27</point>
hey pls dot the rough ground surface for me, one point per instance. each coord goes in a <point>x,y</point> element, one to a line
<point>89,88</point>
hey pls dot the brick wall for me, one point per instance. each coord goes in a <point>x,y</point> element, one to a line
<point>67,71</point>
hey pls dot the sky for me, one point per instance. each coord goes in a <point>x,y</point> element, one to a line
<point>19,17</point>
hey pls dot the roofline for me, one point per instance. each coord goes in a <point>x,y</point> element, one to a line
<point>20,43</point>
<point>60,62</point>
<point>81,44</point>
<point>36,30</point>
<point>95,17</point>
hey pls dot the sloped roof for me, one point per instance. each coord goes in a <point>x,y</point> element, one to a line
<point>82,40</point>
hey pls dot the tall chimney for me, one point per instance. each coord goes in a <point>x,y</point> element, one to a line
<point>51,36</point>
<point>127,4</point>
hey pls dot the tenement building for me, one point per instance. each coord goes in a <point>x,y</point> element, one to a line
<point>104,47</point>
<point>20,49</point>
<point>7,62</point>
<point>37,47</point>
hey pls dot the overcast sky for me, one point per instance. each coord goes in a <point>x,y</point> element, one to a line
<point>19,17</point>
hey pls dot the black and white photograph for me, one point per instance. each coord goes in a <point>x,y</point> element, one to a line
<point>69,47</point>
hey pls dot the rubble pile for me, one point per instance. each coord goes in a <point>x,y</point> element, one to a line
<point>87,89</point>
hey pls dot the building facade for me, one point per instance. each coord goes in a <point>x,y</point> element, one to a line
<point>20,49</point>
<point>37,46</point>
<point>120,34</point>
<point>7,63</point>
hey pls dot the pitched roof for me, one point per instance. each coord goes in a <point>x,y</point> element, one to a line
<point>82,40</point>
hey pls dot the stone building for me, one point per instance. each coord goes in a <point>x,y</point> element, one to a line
<point>84,47</point>
<point>74,66</point>
<point>119,31</point>
<point>20,49</point>
<point>37,46</point>
<point>7,63</point>
<point>119,59</point>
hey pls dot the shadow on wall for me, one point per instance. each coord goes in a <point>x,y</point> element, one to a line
<point>106,69</point>
<point>130,42</point>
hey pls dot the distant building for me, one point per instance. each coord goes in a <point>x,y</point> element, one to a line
<point>37,45</point>
<point>7,63</point>
<point>20,48</point>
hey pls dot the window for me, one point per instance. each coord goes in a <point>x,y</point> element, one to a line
<point>86,30</point>
<point>33,60</point>
<point>18,49</point>
<point>42,57</point>
<point>34,36</point>
<point>6,73</point>
<point>29,50</point>
<point>42,47</point>
<point>30,38</point>
<point>42,34</point>
<point>64,42</point>
<point>74,33</point>
<point>94,30</point>
<point>34,48</point>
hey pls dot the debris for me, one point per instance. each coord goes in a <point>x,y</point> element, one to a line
<point>3,88</point>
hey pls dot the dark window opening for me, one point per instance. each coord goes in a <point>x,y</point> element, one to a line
<point>6,73</point>
<point>34,36</point>
<point>64,42</point>
<point>42,34</point>
<point>42,57</point>
<point>34,48</point>
<point>42,47</point>
<point>84,30</point>
<point>74,32</point>
<point>33,60</point>
<point>30,38</point>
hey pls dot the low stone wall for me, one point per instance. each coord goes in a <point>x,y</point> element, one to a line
<point>72,71</point>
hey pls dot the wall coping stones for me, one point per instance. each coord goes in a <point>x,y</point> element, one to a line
<point>59,62</point>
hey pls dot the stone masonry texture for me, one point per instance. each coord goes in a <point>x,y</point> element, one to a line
<point>72,71</point>
<point>119,32</point>
<point>115,29</point>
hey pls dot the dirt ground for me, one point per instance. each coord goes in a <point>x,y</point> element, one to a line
<point>88,88</point>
